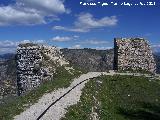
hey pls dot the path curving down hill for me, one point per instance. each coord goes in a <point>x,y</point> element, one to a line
<point>58,109</point>
<point>52,106</point>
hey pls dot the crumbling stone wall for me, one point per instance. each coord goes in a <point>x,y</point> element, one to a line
<point>133,54</point>
<point>35,64</point>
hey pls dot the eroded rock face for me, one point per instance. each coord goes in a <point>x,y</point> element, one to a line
<point>35,64</point>
<point>133,54</point>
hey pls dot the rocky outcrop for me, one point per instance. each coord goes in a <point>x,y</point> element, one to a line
<point>36,64</point>
<point>90,59</point>
<point>133,54</point>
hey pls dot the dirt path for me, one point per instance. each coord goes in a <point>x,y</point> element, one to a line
<point>58,109</point>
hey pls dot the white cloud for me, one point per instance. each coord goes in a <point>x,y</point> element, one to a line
<point>88,21</point>
<point>94,42</point>
<point>61,39</point>
<point>10,15</point>
<point>7,43</point>
<point>32,41</point>
<point>25,41</point>
<point>103,48</point>
<point>49,6</point>
<point>31,12</point>
<point>40,41</point>
<point>75,47</point>
<point>85,22</point>
<point>8,46</point>
<point>156,48</point>
<point>76,36</point>
<point>64,39</point>
<point>70,29</point>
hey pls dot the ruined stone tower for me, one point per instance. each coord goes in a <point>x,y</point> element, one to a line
<point>35,64</point>
<point>133,54</point>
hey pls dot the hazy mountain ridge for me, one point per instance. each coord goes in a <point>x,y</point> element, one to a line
<point>7,56</point>
<point>90,59</point>
<point>157,60</point>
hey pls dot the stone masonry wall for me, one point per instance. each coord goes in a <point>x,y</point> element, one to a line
<point>35,64</point>
<point>133,53</point>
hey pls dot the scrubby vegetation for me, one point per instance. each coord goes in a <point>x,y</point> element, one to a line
<point>14,105</point>
<point>118,98</point>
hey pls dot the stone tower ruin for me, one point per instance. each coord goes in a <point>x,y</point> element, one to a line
<point>133,54</point>
<point>36,64</point>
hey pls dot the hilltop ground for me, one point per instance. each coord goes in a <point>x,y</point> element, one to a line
<point>107,97</point>
<point>119,97</point>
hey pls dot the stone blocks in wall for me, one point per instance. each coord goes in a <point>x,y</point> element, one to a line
<point>35,64</point>
<point>27,59</point>
<point>133,54</point>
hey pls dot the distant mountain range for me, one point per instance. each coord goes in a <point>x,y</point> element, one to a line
<point>89,59</point>
<point>157,59</point>
<point>157,53</point>
<point>7,56</point>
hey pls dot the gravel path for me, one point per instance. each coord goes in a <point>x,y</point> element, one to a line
<point>58,110</point>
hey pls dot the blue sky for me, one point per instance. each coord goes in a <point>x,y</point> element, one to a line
<point>66,23</point>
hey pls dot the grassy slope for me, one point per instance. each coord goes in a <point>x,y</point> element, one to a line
<point>14,106</point>
<point>120,97</point>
